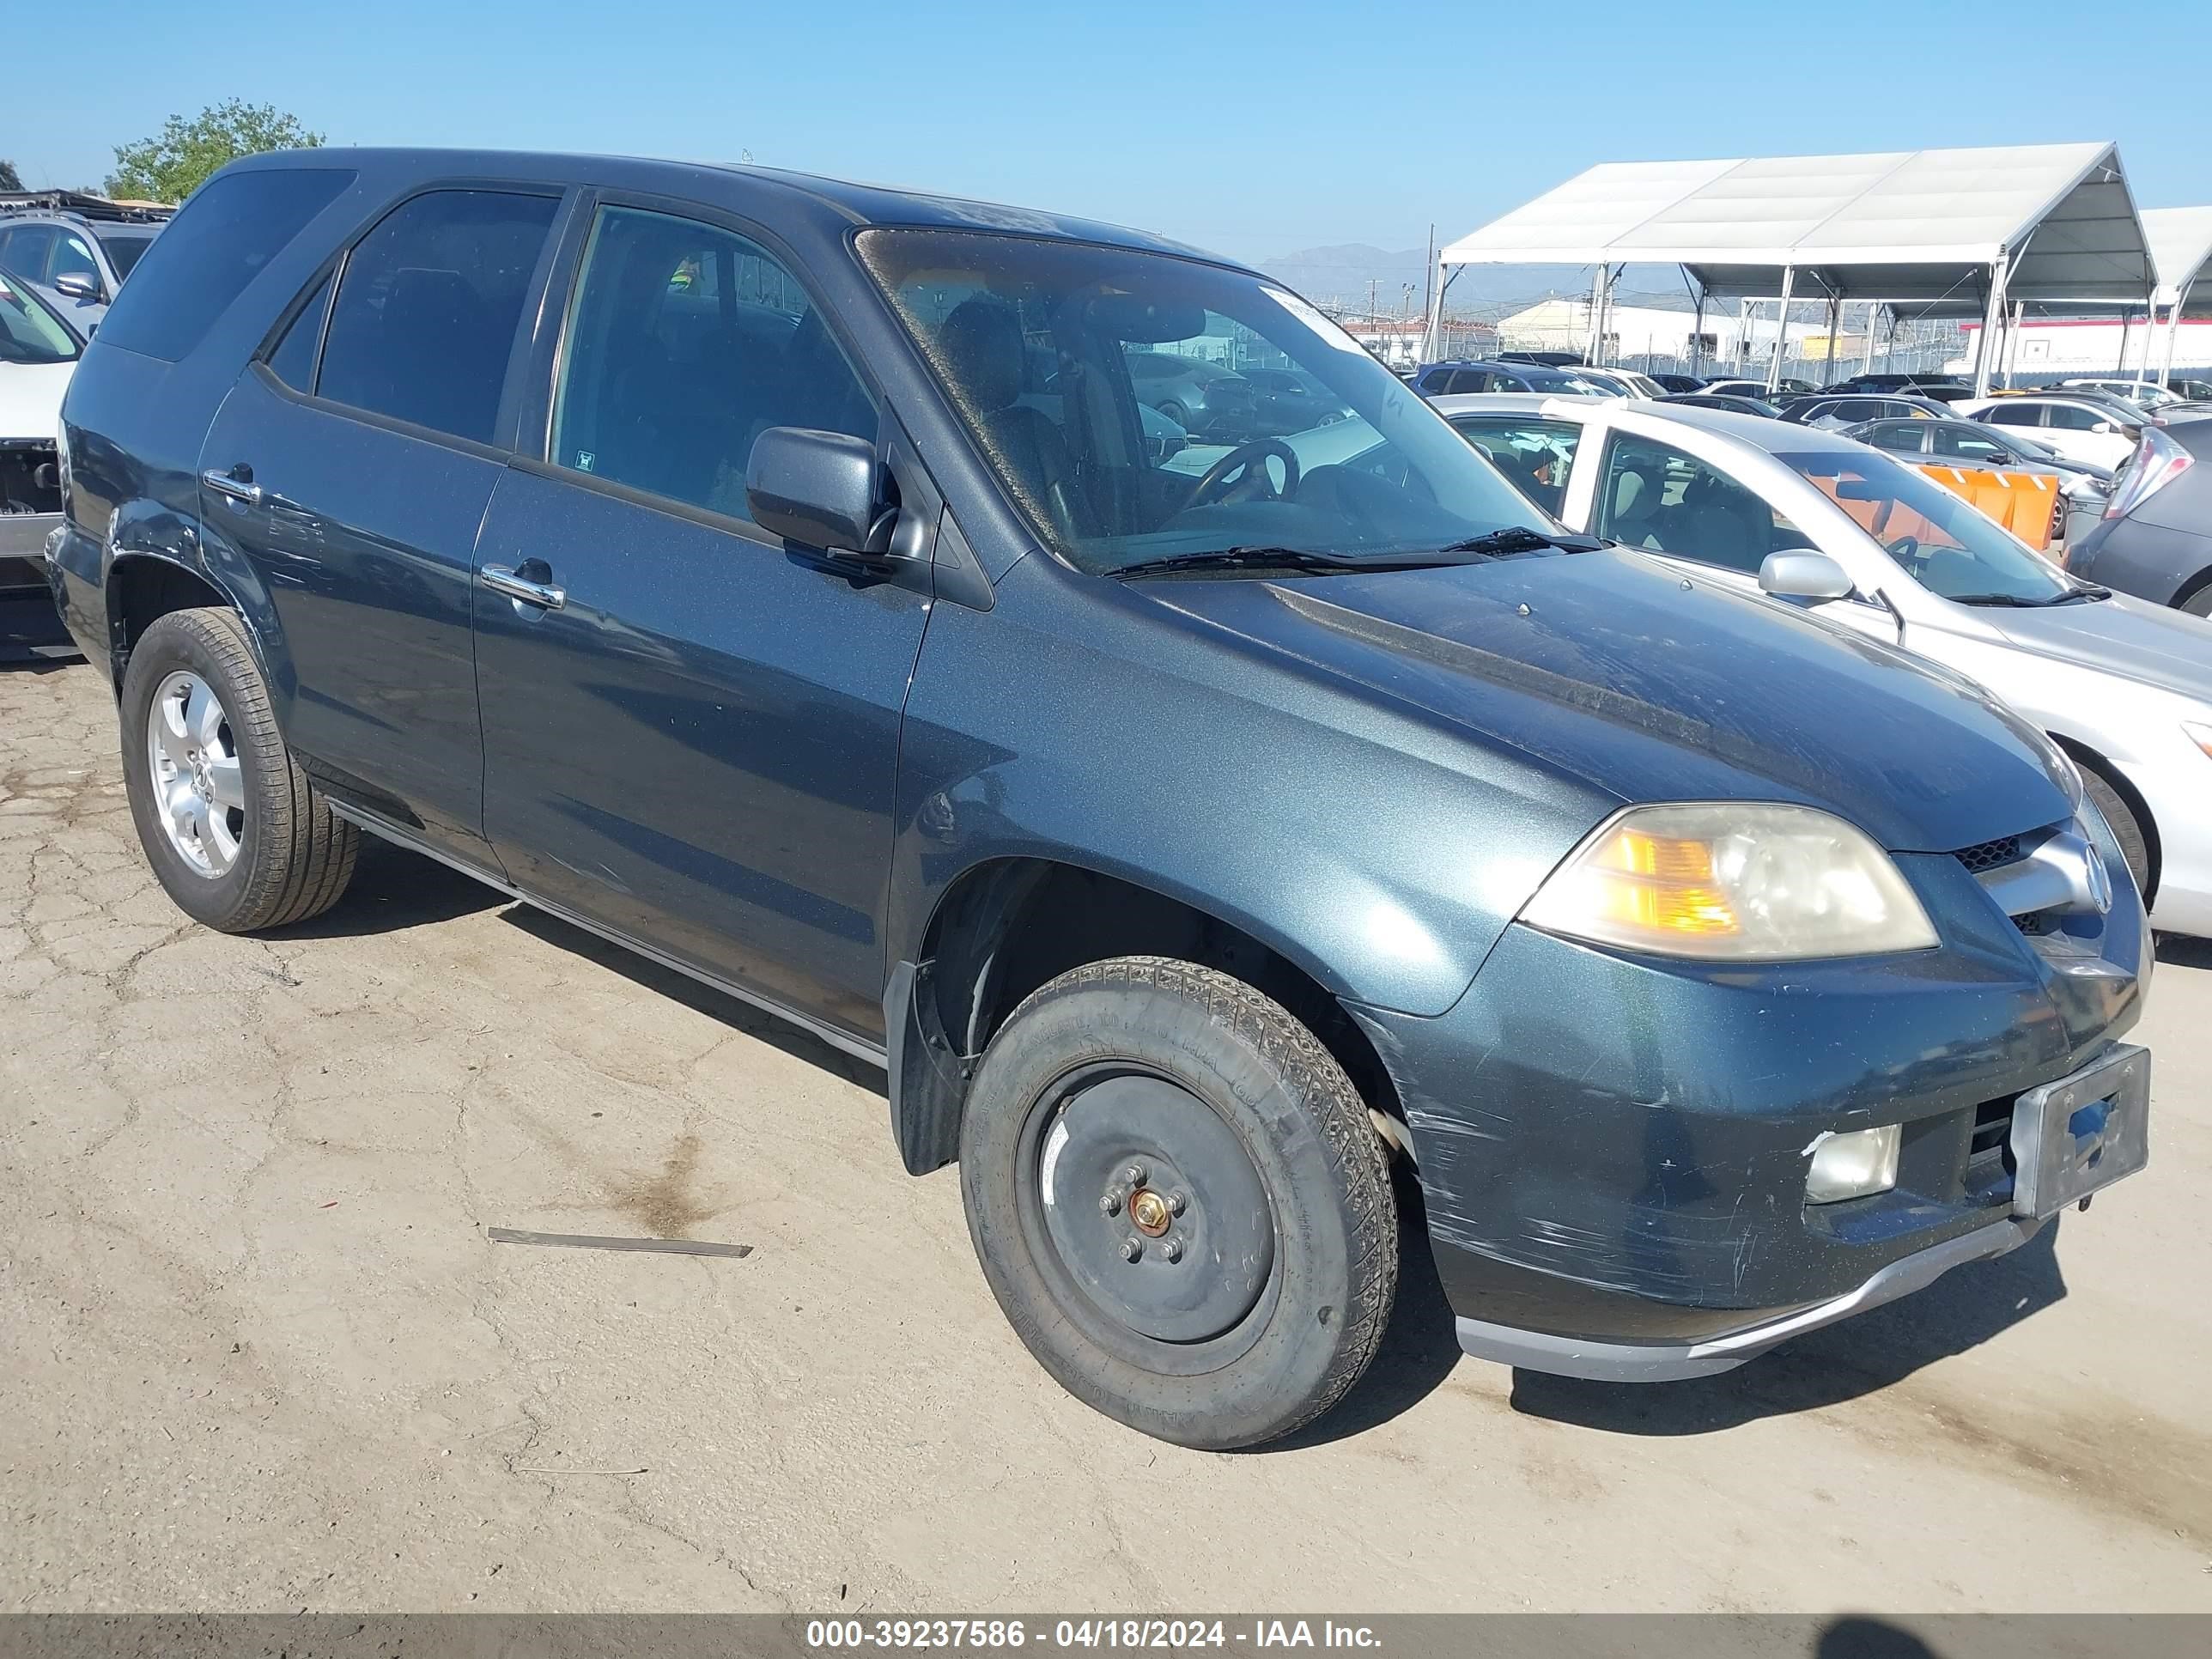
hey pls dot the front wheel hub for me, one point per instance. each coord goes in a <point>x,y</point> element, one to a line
<point>1198,1194</point>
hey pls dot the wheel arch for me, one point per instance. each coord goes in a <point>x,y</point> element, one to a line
<point>2090,760</point>
<point>1007,925</point>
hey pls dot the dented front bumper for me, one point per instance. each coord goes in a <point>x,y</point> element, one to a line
<point>1613,1149</point>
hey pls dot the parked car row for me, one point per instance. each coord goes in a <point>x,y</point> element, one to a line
<point>782,579</point>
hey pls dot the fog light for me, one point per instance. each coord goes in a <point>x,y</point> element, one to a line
<point>1853,1165</point>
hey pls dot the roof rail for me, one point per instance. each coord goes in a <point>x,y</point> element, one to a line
<point>83,205</point>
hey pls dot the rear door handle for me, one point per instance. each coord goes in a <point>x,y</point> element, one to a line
<point>243,490</point>
<point>502,579</point>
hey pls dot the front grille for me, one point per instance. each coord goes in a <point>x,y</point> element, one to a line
<point>1988,854</point>
<point>1992,1127</point>
<point>30,477</point>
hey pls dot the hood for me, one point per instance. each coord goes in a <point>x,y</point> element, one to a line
<point>1649,687</point>
<point>31,398</point>
<point>2151,644</point>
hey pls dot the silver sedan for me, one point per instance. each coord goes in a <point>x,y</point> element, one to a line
<point>2124,687</point>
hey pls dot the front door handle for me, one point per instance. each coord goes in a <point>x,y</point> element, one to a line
<point>242,491</point>
<point>502,579</point>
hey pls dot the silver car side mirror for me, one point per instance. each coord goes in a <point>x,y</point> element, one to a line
<point>1801,574</point>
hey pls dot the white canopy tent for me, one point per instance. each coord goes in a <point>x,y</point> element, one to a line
<point>1933,227</point>
<point>2180,250</point>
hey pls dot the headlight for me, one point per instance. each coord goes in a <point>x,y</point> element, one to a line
<point>1725,881</point>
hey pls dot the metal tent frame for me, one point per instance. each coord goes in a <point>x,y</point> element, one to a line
<point>2011,225</point>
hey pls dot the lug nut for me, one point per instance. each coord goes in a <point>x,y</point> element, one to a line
<point>1134,1174</point>
<point>1174,1249</point>
<point>1131,1249</point>
<point>1110,1204</point>
<point>1177,1203</point>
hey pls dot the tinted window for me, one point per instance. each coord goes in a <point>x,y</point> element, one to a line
<point>685,343</point>
<point>1655,496</point>
<point>232,228</point>
<point>1534,455</point>
<point>429,305</point>
<point>1965,444</point>
<point>123,250</point>
<point>1903,436</point>
<point>29,333</point>
<point>2014,415</point>
<point>1475,380</point>
<point>25,253</point>
<point>294,360</point>
<point>2073,417</point>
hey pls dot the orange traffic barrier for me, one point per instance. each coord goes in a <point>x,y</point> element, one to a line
<point>2026,503</point>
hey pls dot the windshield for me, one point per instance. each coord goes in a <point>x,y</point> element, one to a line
<point>1944,544</point>
<point>1050,350</point>
<point>29,333</point>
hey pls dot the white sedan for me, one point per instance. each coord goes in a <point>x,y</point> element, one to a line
<point>2124,686</point>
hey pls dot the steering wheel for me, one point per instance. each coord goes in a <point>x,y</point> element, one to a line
<point>1251,479</point>
<point>1905,549</point>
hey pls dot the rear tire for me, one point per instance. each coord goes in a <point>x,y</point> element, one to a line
<point>1238,1286</point>
<point>261,848</point>
<point>2127,828</point>
<point>2199,604</point>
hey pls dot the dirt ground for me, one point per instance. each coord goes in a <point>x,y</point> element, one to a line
<point>260,1354</point>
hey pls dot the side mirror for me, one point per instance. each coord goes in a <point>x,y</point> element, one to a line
<point>2104,426</point>
<point>1801,574</point>
<point>79,286</point>
<point>818,488</point>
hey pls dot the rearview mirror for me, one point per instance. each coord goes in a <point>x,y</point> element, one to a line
<point>77,285</point>
<point>818,488</point>
<point>1801,574</point>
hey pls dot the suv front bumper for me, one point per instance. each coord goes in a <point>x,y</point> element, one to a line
<point>1613,1149</point>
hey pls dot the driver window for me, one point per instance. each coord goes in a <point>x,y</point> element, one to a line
<point>1654,496</point>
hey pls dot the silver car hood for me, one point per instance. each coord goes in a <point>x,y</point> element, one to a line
<point>2119,635</point>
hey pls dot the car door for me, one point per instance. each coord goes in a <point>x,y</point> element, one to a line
<point>691,731</point>
<point>351,466</point>
<point>1657,496</point>
<point>2083,432</point>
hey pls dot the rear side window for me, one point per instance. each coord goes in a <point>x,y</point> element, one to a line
<point>1898,435</point>
<point>230,229</point>
<point>2016,415</point>
<point>2073,417</point>
<point>429,307</point>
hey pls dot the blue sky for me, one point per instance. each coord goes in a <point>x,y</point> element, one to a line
<point>1254,129</point>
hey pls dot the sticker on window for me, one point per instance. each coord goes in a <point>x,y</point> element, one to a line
<point>584,459</point>
<point>1329,332</point>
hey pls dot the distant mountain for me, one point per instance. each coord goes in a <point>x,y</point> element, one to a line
<point>1339,276</point>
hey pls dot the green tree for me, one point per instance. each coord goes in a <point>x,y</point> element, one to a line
<point>9,178</point>
<point>176,161</point>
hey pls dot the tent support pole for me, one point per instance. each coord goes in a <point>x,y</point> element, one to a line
<point>1599,291</point>
<point>2012,341</point>
<point>1873,324</point>
<point>2173,331</point>
<point>1781,330</point>
<point>1835,316</point>
<point>1698,334</point>
<point>1992,315</point>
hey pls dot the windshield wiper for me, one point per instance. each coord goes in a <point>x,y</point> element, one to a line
<point>2018,602</point>
<point>1518,539</point>
<point>1302,559</point>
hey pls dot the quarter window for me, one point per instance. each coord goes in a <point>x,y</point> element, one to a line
<point>685,343</point>
<point>223,238</point>
<point>428,310</point>
<point>1655,496</point>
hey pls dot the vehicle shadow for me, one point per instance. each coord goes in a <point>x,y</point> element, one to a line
<point>1963,1309</point>
<point>393,889</point>
<point>2176,951</point>
<point>701,998</point>
<point>31,636</point>
<point>1860,1636</point>
<point>1419,1349</point>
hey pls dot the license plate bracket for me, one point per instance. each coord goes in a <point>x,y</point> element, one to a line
<point>2078,1134</point>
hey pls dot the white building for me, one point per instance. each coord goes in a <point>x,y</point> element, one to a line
<point>2101,345</point>
<point>1731,332</point>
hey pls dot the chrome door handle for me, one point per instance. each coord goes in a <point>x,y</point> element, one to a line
<point>238,490</point>
<point>502,579</point>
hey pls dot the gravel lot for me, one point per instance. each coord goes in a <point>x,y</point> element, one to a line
<point>260,1354</point>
